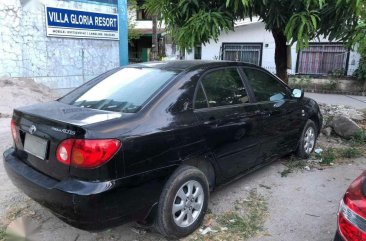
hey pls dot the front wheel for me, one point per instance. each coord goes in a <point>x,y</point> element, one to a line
<point>183,203</point>
<point>307,140</point>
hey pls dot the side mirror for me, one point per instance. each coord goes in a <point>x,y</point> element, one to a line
<point>297,93</point>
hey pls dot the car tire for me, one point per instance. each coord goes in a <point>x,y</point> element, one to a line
<point>188,191</point>
<point>307,140</point>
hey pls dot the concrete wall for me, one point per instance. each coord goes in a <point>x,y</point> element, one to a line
<point>255,32</point>
<point>26,51</point>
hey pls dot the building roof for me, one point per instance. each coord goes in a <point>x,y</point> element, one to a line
<point>246,21</point>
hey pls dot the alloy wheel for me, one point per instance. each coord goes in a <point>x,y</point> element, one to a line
<point>309,140</point>
<point>188,203</point>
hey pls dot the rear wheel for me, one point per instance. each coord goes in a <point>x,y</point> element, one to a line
<point>183,203</point>
<point>307,140</point>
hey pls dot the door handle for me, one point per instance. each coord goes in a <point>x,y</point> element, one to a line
<point>211,122</point>
<point>263,113</point>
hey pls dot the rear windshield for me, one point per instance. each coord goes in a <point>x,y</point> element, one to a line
<point>123,91</point>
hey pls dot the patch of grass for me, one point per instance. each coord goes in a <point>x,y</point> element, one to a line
<point>360,137</point>
<point>328,156</point>
<point>331,154</point>
<point>350,152</point>
<point>2,234</point>
<point>292,165</point>
<point>244,221</point>
<point>247,219</point>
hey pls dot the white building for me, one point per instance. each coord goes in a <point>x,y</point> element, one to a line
<point>250,42</point>
<point>26,49</point>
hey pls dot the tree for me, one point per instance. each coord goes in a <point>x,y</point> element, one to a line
<point>356,39</point>
<point>132,32</point>
<point>192,21</point>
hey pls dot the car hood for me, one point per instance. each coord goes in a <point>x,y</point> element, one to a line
<point>58,111</point>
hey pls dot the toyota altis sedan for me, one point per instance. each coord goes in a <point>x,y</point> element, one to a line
<point>150,141</point>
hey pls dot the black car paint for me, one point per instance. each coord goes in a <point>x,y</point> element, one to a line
<point>165,133</point>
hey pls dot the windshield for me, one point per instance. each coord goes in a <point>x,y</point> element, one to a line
<point>125,90</point>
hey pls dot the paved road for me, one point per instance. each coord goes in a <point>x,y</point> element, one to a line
<point>358,102</point>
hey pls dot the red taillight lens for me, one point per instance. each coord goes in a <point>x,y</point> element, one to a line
<point>87,153</point>
<point>14,132</point>
<point>352,212</point>
<point>93,153</point>
<point>349,231</point>
<point>355,198</point>
<point>64,151</point>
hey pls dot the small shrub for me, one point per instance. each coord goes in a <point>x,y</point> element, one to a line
<point>350,152</point>
<point>293,164</point>
<point>360,137</point>
<point>337,73</point>
<point>2,234</point>
<point>328,156</point>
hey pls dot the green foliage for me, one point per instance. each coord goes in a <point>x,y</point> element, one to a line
<point>302,27</point>
<point>331,154</point>
<point>331,85</point>
<point>301,82</point>
<point>360,137</point>
<point>328,156</point>
<point>360,72</point>
<point>132,32</point>
<point>192,21</point>
<point>2,234</point>
<point>292,165</point>
<point>350,152</point>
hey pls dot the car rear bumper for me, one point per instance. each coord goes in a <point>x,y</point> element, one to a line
<point>86,205</point>
<point>338,237</point>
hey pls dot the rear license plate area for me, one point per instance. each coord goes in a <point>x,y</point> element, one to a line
<point>35,145</point>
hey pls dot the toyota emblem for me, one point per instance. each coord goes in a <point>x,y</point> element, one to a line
<point>32,129</point>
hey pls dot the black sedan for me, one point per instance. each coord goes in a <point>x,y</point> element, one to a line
<point>150,141</point>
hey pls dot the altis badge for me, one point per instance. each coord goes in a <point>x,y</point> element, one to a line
<point>65,131</point>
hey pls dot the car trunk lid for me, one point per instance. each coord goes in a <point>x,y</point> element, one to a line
<point>42,127</point>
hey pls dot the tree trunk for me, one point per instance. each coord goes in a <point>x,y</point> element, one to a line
<point>154,40</point>
<point>280,54</point>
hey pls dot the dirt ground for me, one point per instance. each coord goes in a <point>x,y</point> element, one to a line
<point>301,206</point>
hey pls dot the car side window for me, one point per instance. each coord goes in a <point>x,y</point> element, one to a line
<point>265,86</point>
<point>224,87</point>
<point>201,101</point>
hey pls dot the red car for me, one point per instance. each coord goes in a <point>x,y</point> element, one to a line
<point>352,212</point>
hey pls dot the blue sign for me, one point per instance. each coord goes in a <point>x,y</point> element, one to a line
<point>81,24</point>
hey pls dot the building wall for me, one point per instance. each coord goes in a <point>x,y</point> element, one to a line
<point>26,51</point>
<point>255,33</point>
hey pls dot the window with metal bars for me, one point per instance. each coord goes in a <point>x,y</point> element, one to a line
<point>243,52</point>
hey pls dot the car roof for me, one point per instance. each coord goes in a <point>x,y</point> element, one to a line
<point>181,65</point>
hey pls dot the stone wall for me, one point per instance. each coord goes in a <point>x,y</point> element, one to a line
<point>60,63</point>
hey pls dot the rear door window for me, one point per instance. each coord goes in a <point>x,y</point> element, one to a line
<point>224,87</point>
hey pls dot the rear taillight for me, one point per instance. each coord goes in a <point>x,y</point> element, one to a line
<point>64,151</point>
<point>14,132</point>
<point>82,153</point>
<point>352,212</point>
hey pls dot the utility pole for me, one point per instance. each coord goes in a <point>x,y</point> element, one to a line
<point>123,32</point>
